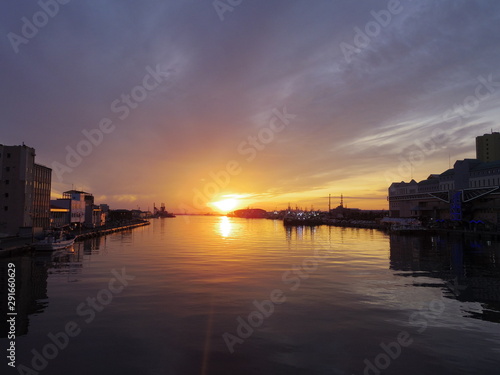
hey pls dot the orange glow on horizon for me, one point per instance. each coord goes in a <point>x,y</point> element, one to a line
<point>226,205</point>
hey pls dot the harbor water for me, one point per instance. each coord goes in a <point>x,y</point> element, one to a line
<point>217,295</point>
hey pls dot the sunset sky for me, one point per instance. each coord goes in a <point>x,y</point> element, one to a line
<point>266,102</point>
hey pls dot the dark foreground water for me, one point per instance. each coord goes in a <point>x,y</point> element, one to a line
<point>210,295</point>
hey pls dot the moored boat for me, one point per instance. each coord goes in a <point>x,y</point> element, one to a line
<point>55,240</point>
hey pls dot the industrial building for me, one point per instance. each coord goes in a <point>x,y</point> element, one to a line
<point>24,192</point>
<point>76,208</point>
<point>468,191</point>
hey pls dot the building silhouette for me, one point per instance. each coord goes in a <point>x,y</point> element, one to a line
<point>24,192</point>
<point>488,147</point>
<point>468,191</point>
<point>77,208</point>
<point>30,291</point>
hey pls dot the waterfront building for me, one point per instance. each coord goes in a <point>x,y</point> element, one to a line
<point>92,212</point>
<point>120,215</point>
<point>104,213</point>
<point>74,203</point>
<point>488,147</point>
<point>80,208</point>
<point>59,216</point>
<point>468,191</point>
<point>24,192</point>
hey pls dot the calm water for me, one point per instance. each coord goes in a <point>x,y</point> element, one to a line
<point>210,295</point>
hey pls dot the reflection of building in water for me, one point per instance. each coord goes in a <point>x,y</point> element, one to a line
<point>62,262</point>
<point>469,268</point>
<point>298,232</point>
<point>31,291</point>
<point>90,246</point>
<point>31,283</point>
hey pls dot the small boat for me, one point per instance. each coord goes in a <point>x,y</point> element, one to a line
<point>55,240</point>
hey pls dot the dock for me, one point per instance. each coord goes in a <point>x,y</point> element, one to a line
<point>17,245</point>
<point>97,232</point>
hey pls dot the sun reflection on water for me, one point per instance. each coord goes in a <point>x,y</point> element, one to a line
<point>225,226</point>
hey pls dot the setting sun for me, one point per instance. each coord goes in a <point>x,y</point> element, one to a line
<point>226,205</point>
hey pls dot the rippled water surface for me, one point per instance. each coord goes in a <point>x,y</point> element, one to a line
<point>217,295</point>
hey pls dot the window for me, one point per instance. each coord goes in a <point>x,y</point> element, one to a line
<point>6,208</point>
<point>7,182</point>
<point>8,155</point>
<point>7,169</point>
<point>6,195</point>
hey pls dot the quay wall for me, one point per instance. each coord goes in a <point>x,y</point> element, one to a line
<point>15,246</point>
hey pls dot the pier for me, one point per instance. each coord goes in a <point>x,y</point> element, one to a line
<point>17,245</point>
<point>103,231</point>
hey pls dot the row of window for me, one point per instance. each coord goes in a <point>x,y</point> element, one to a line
<point>485,172</point>
<point>484,183</point>
<point>41,185</point>
<point>7,155</point>
<point>474,184</point>
<point>447,187</point>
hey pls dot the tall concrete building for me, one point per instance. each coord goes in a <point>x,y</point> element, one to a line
<point>488,147</point>
<point>24,192</point>
<point>42,181</point>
